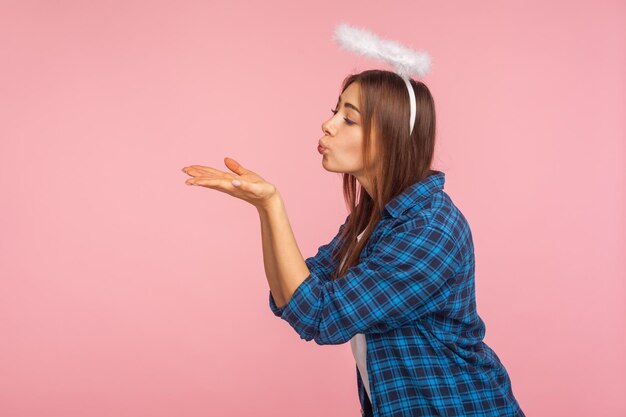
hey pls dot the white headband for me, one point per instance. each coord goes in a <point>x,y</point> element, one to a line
<point>405,61</point>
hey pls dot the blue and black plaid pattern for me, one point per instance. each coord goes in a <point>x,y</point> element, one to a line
<point>412,294</point>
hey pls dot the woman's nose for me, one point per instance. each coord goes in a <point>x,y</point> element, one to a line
<point>326,128</point>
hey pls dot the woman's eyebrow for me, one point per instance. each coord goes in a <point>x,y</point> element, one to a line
<point>350,105</point>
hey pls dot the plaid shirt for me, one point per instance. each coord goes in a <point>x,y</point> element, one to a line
<point>412,295</point>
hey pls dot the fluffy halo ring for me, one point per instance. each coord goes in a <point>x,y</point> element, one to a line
<point>405,61</point>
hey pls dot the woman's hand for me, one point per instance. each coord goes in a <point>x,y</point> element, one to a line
<point>250,187</point>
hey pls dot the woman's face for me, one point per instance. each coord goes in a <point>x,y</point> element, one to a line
<point>343,139</point>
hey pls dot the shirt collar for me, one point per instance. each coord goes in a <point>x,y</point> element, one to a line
<point>417,192</point>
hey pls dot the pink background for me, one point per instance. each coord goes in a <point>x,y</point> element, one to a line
<point>124,292</point>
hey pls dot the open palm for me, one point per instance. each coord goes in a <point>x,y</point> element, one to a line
<point>253,188</point>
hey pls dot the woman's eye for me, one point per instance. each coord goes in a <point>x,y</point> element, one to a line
<point>348,121</point>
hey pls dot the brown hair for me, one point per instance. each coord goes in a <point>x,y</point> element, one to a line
<point>402,159</point>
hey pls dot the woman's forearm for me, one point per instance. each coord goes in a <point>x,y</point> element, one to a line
<point>269,260</point>
<point>284,265</point>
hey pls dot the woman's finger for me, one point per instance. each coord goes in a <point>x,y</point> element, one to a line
<point>199,170</point>
<point>235,166</point>
<point>216,183</point>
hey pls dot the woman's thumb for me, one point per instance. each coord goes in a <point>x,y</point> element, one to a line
<point>234,166</point>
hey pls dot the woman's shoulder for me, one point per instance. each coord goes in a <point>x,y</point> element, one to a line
<point>439,214</point>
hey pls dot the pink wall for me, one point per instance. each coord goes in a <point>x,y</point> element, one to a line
<point>124,292</point>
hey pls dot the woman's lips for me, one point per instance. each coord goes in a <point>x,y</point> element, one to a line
<point>321,149</point>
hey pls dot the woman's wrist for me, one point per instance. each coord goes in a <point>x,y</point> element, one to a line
<point>271,203</point>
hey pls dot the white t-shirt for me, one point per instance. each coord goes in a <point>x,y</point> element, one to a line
<point>359,349</point>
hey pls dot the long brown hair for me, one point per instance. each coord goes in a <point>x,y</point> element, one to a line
<point>402,159</point>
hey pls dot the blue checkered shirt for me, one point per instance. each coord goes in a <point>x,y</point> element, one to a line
<point>412,294</point>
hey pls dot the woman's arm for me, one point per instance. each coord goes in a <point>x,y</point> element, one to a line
<point>410,272</point>
<point>284,264</point>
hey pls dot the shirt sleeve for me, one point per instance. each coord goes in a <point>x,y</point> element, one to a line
<point>322,265</point>
<point>407,275</point>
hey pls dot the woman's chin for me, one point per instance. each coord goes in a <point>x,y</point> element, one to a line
<point>327,169</point>
<point>330,167</point>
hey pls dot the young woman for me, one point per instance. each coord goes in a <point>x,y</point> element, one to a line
<point>397,281</point>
